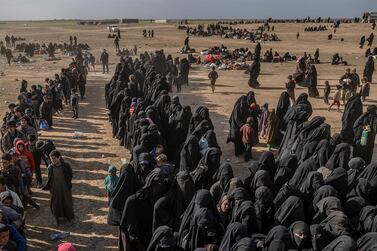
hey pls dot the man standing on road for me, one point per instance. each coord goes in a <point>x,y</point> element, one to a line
<point>116,42</point>
<point>59,184</point>
<point>105,61</point>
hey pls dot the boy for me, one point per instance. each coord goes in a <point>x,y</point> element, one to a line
<point>291,85</point>
<point>247,137</point>
<point>111,181</point>
<point>9,115</point>
<point>364,90</point>
<point>162,163</point>
<point>75,103</point>
<point>326,92</point>
<point>5,243</point>
<point>37,154</point>
<point>336,98</point>
<point>178,83</point>
<point>213,76</point>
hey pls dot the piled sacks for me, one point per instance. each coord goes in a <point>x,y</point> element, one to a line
<point>224,59</point>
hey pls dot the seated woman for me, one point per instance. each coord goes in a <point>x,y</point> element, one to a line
<point>276,58</point>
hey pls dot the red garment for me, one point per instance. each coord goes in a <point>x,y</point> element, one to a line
<point>247,134</point>
<point>29,156</point>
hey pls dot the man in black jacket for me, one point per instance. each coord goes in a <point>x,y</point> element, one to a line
<point>105,61</point>
<point>45,111</point>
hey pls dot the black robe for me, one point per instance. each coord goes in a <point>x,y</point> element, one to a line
<point>137,217</point>
<point>254,73</point>
<point>286,168</point>
<point>223,177</point>
<point>169,208</point>
<point>352,111</point>
<point>343,242</point>
<point>237,119</point>
<point>201,213</point>
<point>245,244</point>
<point>290,211</point>
<point>368,118</point>
<point>311,79</point>
<point>369,69</point>
<point>367,242</point>
<point>234,232</point>
<point>163,238</point>
<point>340,157</point>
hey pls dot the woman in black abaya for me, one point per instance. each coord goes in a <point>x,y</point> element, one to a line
<point>290,211</point>
<point>369,118</point>
<point>311,80</point>
<point>335,225</point>
<point>234,232</point>
<point>300,236</point>
<point>264,209</point>
<point>241,111</point>
<point>254,73</point>
<point>223,177</point>
<point>369,69</point>
<point>137,218</point>
<point>163,239</point>
<point>201,213</point>
<point>169,208</point>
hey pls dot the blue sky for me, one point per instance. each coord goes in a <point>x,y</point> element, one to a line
<point>175,9</point>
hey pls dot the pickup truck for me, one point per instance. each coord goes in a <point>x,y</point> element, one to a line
<point>113,28</point>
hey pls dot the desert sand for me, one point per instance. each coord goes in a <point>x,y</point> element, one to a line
<point>91,154</point>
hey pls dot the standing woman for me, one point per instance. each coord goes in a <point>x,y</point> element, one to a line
<point>311,79</point>
<point>369,69</point>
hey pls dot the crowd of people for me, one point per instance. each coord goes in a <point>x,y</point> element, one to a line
<point>24,152</point>
<point>175,193</point>
<point>28,50</point>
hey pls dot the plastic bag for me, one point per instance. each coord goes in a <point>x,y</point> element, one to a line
<point>43,125</point>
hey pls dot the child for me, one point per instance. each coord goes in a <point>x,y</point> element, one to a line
<point>326,92</point>
<point>37,155</point>
<point>162,163</point>
<point>111,181</point>
<point>291,85</point>
<point>336,98</point>
<point>213,76</point>
<point>75,103</point>
<point>364,90</point>
<point>247,137</point>
<point>5,242</point>
<point>178,81</point>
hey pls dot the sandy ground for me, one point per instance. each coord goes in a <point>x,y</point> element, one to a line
<point>91,154</point>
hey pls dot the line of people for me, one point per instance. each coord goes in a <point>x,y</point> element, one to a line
<point>176,194</point>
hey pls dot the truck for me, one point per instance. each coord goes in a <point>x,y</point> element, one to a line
<point>113,28</point>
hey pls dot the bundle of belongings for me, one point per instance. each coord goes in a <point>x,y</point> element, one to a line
<point>20,59</point>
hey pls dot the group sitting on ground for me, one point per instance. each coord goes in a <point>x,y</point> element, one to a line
<point>316,28</point>
<point>338,60</point>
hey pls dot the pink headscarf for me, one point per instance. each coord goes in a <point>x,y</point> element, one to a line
<point>66,246</point>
